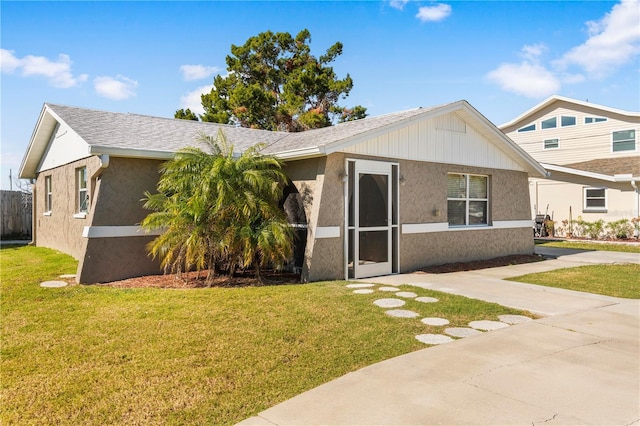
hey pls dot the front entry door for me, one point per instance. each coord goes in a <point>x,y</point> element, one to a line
<point>372,231</point>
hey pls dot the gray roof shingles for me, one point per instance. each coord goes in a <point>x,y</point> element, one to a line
<point>140,132</point>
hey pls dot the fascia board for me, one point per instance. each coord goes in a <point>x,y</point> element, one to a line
<point>131,153</point>
<point>36,148</point>
<point>582,173</point>
<point>522,156</point>
<point>299,154</point>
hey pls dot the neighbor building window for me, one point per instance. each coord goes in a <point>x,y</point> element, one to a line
<point>550,143</point>
<point>591,120</point>
<point>48,194</point>
<point>624,140</point>
<point>83,194</point>
<point>549,123</point>
<point>567,120</point>
<point>528,128</point>
<point>595,199</point>
<point>467,199</point>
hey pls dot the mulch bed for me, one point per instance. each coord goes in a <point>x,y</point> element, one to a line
<point>481,264</point>
<point>197,280</point>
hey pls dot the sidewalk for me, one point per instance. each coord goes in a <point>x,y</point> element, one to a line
<point>578,365</point>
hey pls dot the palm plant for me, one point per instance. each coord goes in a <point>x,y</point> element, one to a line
<point>219,211</point>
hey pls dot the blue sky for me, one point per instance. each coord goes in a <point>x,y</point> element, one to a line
<point>154,57</point>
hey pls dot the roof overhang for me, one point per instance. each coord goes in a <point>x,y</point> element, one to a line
<point>617,178</point>
<point>44,129</point>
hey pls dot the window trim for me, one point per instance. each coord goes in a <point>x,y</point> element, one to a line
<point>635,141</point>
<point>594,118</point>
<point>48,195</point>
<point>568,116</point>
<point>82,192</point>
<point>594,209</point>
<point>467,199</point>
<point>528,128</point>
<point>545,147</point>
<point>555,126</point>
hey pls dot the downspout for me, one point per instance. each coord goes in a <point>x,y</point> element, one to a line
<point>637,206</point>
<point>345,192</point>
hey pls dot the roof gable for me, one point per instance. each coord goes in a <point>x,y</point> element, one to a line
<point>528,115</point>
<point>139,136</point>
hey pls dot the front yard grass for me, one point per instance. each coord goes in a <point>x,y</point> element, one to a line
<point>104,355</point>
<point>610,280</point>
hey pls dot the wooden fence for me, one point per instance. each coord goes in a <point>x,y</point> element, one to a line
<point>16,214</point>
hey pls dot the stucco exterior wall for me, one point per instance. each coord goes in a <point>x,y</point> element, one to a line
<point>423,200</point>
<point>59,229</point>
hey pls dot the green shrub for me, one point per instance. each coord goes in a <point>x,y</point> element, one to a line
<point>620,229</point>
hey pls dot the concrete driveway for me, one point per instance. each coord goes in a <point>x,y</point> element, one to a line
<point>580,364</point>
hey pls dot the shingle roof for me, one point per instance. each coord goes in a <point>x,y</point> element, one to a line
<point>141,132</point>
<point>610,166</point>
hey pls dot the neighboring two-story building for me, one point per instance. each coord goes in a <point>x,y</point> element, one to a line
<point>591,153</point>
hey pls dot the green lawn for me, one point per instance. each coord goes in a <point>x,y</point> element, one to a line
<point>610,280</point>
<point>627,248</point>
<point>101,355</point>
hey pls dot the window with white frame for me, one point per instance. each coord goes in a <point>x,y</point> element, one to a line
<point>567,120</point>
<point>48,194</point>
<point>529,128</point>
<point>591,120</point>
<point>551,143</point>
<point>549,123</point>
<point>467,199</point>
<point>595,199</point>
<point>82,201</point>
<point>624,140</point>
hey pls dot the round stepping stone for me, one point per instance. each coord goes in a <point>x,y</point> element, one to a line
<point>513,319</point>
<point>424,299</point>
<point>461,331</point>
<point>407,294</point>
<point>402,313</point>
<point>434,321</point>
<point>389,303</point>
<point>363,291</point>
<point>53,284</point>
<point>360,285</point>
<point>68,276</point>
<point>389,289</point>
<point>487,325</point>
<point>433,339</point>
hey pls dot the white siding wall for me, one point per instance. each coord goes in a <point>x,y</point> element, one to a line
<point>582,142</point>
<point>445,139</point>
<point>65,147</point>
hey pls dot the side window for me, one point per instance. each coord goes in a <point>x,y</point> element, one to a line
<point>48,195</point>
<point>567,120</point>
<point>624,140</point>
<point>591,120</point>
<point>595,199</point>
<point>549,123</point>
<point>82,200</point>
<point>551,143</point>
<point>528,128</point>
<point>467,199</point>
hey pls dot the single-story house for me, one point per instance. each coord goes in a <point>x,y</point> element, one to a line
<point>376,196</point>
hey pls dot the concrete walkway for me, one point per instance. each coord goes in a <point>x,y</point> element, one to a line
<point>580,364</point>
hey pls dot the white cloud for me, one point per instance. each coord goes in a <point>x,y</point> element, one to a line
<point>57,72</point>
<point>527,79</point>
<point>434,13</point>
<point>193,101</point>
<point>197,72</point>
<point>613,41</point>
<point>398,4</point>
<point>117,88</point>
